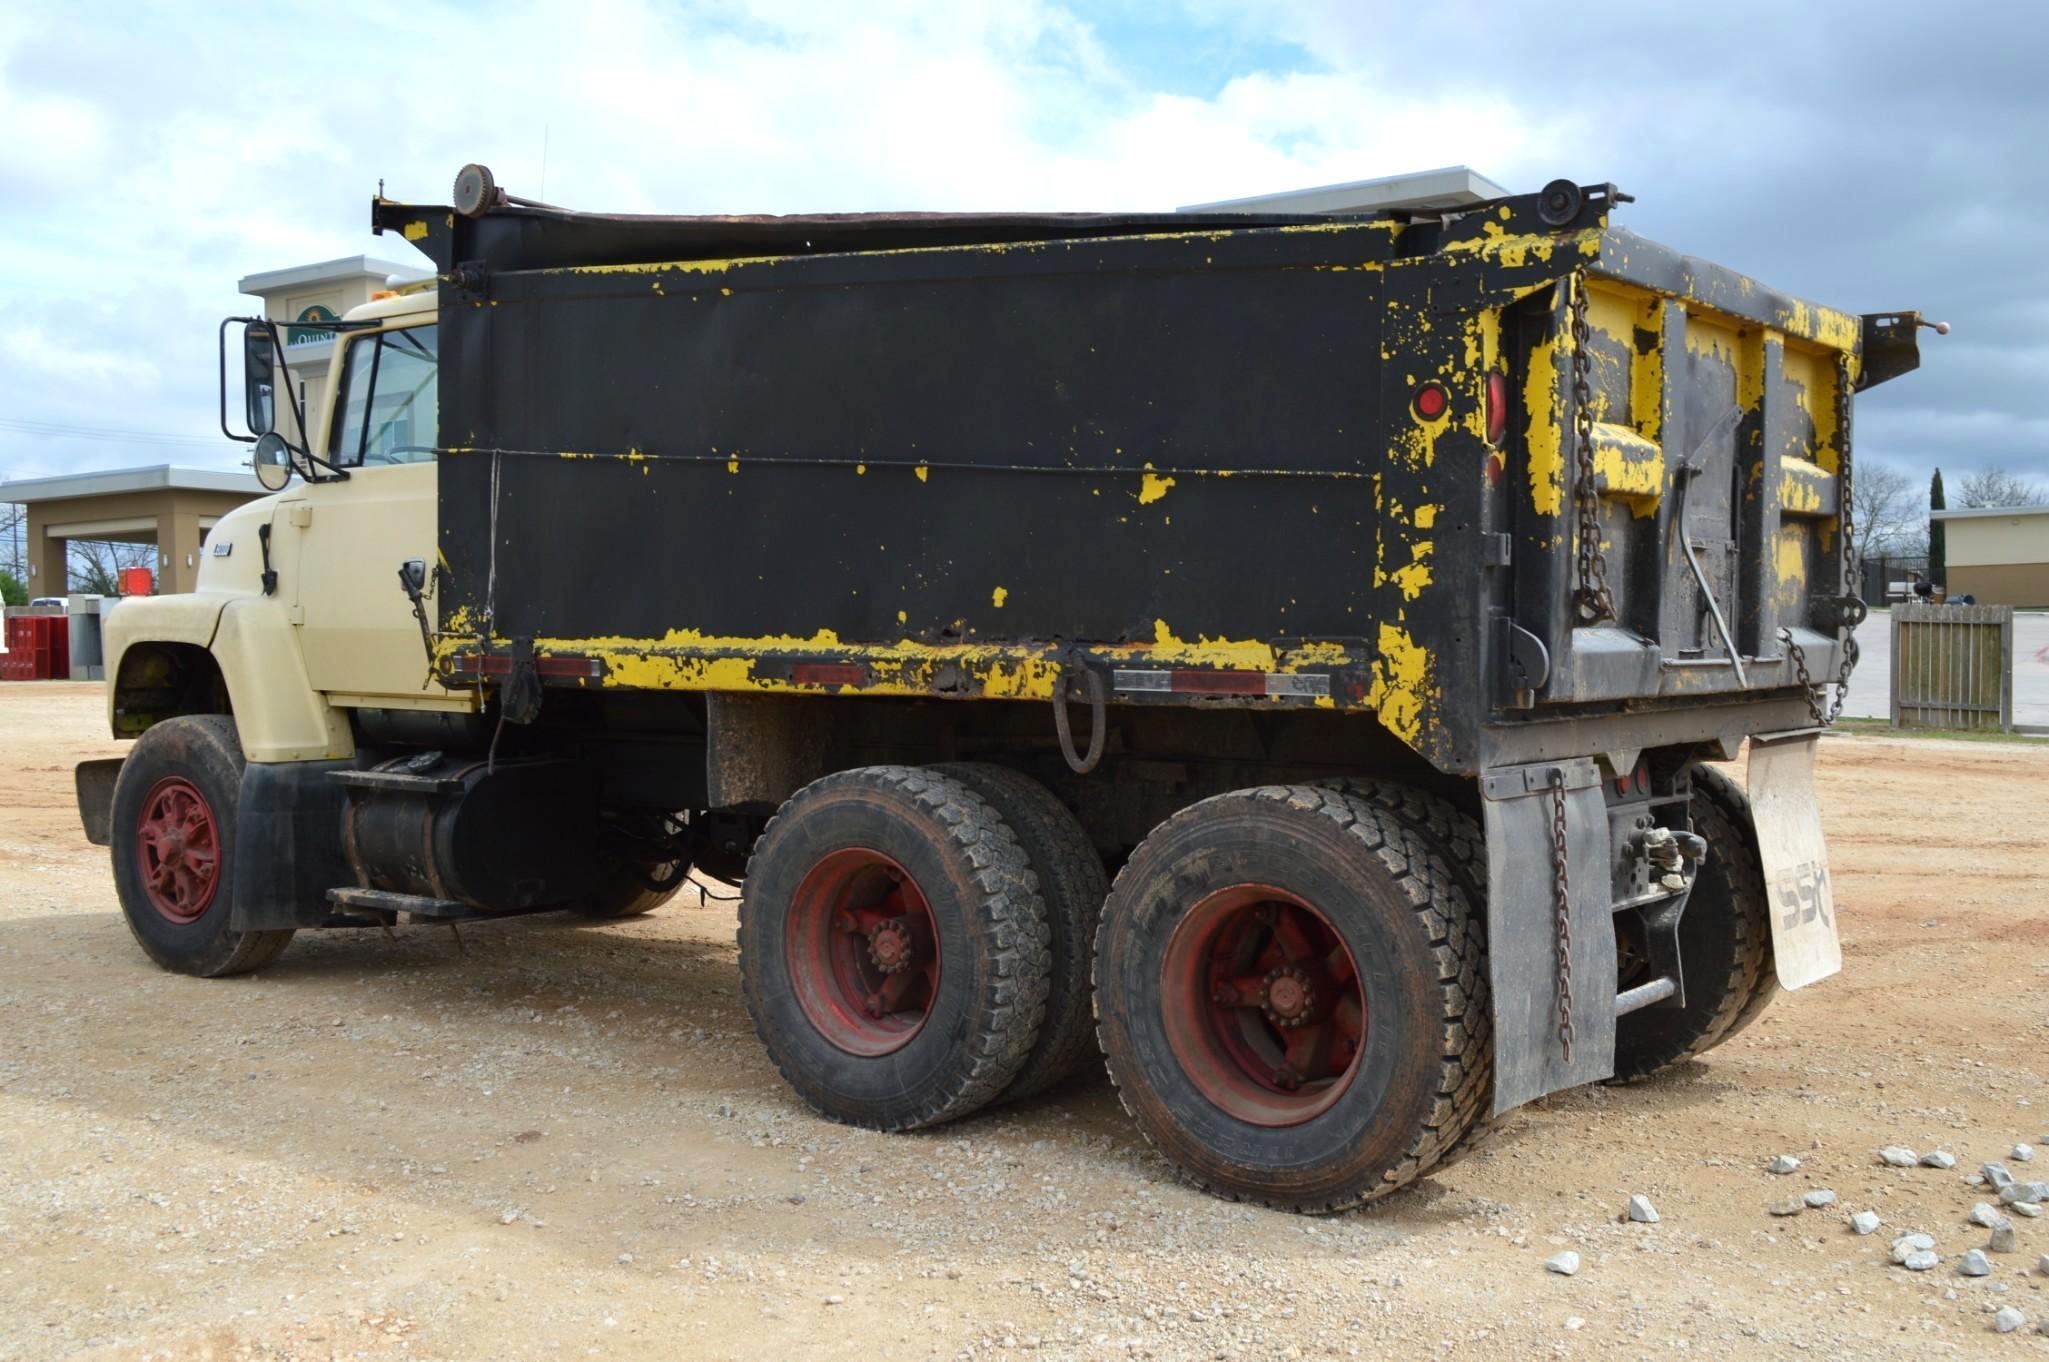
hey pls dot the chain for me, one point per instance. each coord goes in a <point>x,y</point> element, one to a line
<point>1593,598</point>
<point>1846,520</point>
<point>1561,894</point>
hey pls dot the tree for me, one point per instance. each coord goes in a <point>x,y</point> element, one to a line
<point>1994,486</point>
<point>1938,548</point>
<point>13,591</point>
<point>95,567</point>
<point>13,529</point>
<point>1888,525</point>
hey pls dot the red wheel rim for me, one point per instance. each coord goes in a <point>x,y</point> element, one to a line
<point>178,850</point>
<point>1263,1005</point>
<point>863,952</point>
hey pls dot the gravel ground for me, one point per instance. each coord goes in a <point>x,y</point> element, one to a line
<point>558,1140</point>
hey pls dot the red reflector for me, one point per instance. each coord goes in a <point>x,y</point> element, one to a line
<point>1218,683</point>
<point>1431,401</point>
<point>829,673</point>
<point>1497,408</point>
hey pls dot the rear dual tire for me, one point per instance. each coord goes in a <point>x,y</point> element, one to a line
<point>894,949</point>
<point>1245,925</point>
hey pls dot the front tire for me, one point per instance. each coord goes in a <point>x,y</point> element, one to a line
<point>174,849</point>
<point>1289,982</point>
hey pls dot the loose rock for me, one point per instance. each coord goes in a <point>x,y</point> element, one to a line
<point>1819,1197</point>
<point>1785,1163</point>
<point>2008,1319</point>
<point>1565,1264</point>
<point>1984,1214</point>
<point>1995,1174</point>
<point>1975,1264</point>
<point>2042,1265</point>
<point>1786,1207</point>
<point>1938,1158</point>
<point>1920,1260</point>
<point>2022,1153</point>
<point>2031,1209</point>
<point>1907,1245</point>
<point>1641,1210</point>
<point>2024,1193</point>
<point>1896,1157</point>
<point>2004,1240</point>
<point>1865,1222</point>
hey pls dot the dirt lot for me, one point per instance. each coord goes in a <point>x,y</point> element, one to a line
<point>562,1140</point>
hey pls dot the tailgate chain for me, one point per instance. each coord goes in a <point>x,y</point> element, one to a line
<point>1826,715</point>
<point>1593,597</point>
<point>1561,912</point>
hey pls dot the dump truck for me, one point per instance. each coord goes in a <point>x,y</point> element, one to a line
<point>1293,656</point>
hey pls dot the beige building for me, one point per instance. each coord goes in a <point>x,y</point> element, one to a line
<point>315,293</point>
<point>1999,554</point>
<point>170,508</point>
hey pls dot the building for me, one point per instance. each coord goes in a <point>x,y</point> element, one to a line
<point>317,293</point>
<point>1998,554</point>
<point>170,508</point>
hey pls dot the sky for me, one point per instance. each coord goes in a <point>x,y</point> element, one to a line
<point>1870,156</point>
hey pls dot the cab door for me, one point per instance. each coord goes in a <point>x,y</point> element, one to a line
<point>357,629</point>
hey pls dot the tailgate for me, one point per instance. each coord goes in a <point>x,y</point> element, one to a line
<point>1716,427</point>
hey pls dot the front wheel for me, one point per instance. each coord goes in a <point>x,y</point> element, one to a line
<point>174,848</point>
<point>1290,992</point>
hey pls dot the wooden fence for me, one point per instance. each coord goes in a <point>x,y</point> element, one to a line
<point>1952,667</point>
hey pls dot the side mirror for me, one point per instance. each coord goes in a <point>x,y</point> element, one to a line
<point>259,380</point>
<point>272,460</point>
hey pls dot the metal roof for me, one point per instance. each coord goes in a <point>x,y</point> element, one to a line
<point>1447,187</point>
<point>327,272</point>
<point>1987,512</point>
<point>107,482</point>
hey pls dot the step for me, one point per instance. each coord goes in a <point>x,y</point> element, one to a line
<point>385,901</point>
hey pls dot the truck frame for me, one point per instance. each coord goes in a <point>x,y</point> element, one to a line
<point>1287,653</point>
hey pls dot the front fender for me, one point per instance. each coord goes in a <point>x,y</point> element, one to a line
<point>190,619</point>
<point>278,714</point>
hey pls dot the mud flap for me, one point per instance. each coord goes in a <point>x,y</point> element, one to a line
<point>1805,944</point>
<point>1522,952</point>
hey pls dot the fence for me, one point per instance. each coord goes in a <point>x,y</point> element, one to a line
<point>1952,666</point>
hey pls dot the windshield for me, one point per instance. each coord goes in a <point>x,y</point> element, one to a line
<point>387,412</point>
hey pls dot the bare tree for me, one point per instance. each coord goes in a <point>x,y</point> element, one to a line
<point>1994,486</point>
<point>1890,520</point>
<point>95,567</point>
<point>13,529</point>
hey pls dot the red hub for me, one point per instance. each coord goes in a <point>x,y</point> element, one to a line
<point>863,952</point>
<point>1263,1006</point>
<point>178,850</point>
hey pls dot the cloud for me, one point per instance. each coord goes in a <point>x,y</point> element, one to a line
<point>1873,157</point>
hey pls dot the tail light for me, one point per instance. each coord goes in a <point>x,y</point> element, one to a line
<point>1497,408</point>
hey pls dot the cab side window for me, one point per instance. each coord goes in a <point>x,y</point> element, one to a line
<point>389,401</point>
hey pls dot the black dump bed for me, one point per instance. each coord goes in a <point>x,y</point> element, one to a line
<point>1224,460</point>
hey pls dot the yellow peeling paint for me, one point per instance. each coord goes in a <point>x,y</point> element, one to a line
<point>416,231</point>
<point>1546,413</point>
<point>902,618</point>
<point>1801,484</point>
<point>1151,487</point>
<point>923,472</point>
<point>999,596</point>
<point>732,465</point>
<point>860,469</point>
<point>1789,566</point>
<point>1401,683</point>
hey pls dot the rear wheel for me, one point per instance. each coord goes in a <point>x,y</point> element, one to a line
<point>893,947</point>
<point>1456,837</point>
<point>633,876</point>
<point>174,848</point>
<point>1072,882</point>
<point>1725,943</point>
<point>1287,984</point>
